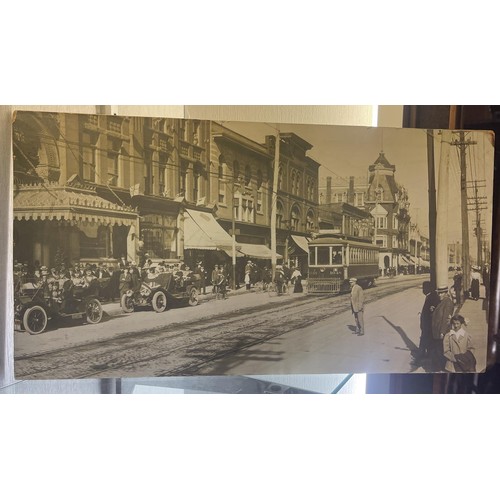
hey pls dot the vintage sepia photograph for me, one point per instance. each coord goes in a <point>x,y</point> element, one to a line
<point>153,247</point>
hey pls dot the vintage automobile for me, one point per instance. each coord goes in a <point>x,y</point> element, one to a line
<point>160,290</point>
<point>36,304</point>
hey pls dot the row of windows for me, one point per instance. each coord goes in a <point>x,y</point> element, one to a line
<point>381,241</point>
<point>363,256</point>
<point>239,175</point>
<point>359,198</point>
<point>335,255</point>
<point>381,221</point>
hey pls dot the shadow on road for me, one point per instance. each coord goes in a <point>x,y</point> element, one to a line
<point>411,346</point>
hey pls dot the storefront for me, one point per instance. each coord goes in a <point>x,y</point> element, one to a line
<point>54,224</point>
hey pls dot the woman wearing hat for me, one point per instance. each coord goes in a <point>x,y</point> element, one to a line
<point>475,279</point>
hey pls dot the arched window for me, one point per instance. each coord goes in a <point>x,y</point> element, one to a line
<point>280,178</point>
<point>236,171</point>
<point>259,178</point>
<point>248,175</point>
<point>296,183</point>
<point>279,214</point>
<point>222,166</point>
<point>295,218</point>
<point>310,220</point>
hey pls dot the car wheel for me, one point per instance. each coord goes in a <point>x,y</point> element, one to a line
<point>127,303</point>
<point>35,320</point>
<point>93,310</point>
<point>159,301</point>
<point>193,297</point>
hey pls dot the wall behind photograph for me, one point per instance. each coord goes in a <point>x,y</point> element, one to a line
<point>359,115</point>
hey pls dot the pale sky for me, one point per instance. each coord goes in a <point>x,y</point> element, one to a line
<point>345,151</point>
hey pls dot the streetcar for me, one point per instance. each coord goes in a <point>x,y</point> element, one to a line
<point>334,260</point>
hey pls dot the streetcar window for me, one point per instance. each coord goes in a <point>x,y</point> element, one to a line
<point>323,256</point>
<point>337,255</point>
<point>312,254</point>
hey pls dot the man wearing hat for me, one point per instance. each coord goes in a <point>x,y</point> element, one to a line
<point>440,324</point>
<point>357,305</point>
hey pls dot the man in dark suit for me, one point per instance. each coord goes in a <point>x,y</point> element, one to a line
<point>440,326</point>
<point>430,303</point>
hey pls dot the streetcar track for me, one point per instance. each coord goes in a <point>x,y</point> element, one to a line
<point>241,338</point>
<point>229,324</point>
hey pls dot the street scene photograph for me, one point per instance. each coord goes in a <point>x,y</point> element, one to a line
<point>154,247</point>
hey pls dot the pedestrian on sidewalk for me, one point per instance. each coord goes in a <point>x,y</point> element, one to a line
<point>458,348</point>
<point>457,285</point>
<point>486,281</point>
<point>430,303</point>
<point>475,279</point>
<point>440,326</point>
<point>357,305</point>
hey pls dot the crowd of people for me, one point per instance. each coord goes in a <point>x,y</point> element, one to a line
<point>444,342</point>
<point>115,278</point>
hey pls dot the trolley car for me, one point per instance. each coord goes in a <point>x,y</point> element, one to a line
<point>334,260</point>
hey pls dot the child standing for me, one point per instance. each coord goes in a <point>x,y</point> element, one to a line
<point>458,348</point>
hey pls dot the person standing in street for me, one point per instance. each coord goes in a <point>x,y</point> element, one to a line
<point>440,327</point>
<point>357,305</point>
<point>430,303</point>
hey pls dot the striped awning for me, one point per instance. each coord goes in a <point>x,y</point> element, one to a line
<point>203,232</point>
<point>74,206</point>
<point>302,242</point>
<point>256,251</point>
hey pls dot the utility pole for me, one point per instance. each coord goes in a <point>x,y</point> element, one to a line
<point>462,148</point>
<point>274,201</point>
<point>442,211</point>
<point>416,234</point>
<point>431,175</point>
<point>478,203</point>
<point>233,237</point>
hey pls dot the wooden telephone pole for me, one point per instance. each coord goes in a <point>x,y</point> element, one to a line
<point>432,206</point>
<point>274,201</point>
<point>442,211</point>
<point>462,148</point>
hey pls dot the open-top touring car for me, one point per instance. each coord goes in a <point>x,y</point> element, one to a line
<point>159,290</point>
<point>35,303</point>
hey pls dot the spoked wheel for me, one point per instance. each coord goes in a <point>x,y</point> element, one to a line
<point>35,320</point>
<point>159,301</point>
<point>193,297</point>
<point>127,303</point>
<point>93,310</point>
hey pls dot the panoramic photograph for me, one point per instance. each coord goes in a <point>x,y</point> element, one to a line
<point>154,247</point>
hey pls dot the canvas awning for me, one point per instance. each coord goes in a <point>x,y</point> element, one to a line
<point>302,242</point>
<point>405,260</point>
<point>203,232</point>
<point>76,206</point>
<point>256,251</point>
